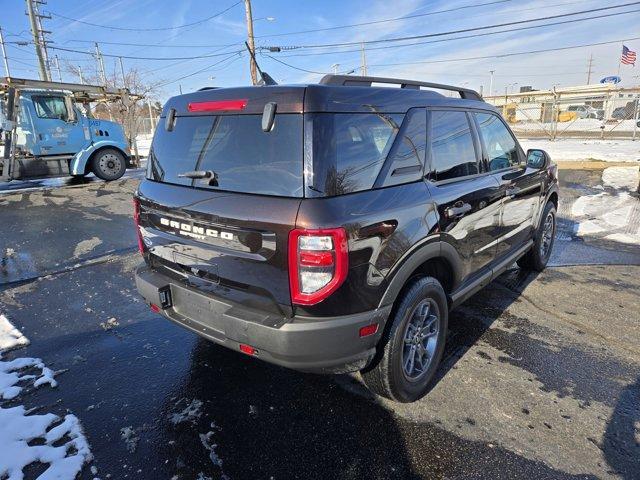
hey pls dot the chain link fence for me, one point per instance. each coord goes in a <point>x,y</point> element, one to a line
<point>594,111</point>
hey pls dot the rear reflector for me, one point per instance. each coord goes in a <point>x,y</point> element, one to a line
<point>229,105</point>
<point>155,308</point>
<point>368,330</point>
<point>248,349</point>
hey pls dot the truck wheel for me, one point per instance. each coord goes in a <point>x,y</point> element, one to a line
<point>538,257</point>
<point>108,164</point>
<point>412,345</point>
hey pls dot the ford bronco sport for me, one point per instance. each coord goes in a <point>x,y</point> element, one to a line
<point>331,227</point>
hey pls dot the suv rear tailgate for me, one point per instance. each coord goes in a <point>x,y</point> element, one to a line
<point>231,245</point>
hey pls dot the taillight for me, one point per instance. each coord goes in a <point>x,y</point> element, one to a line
<point>136,220</point>
<point>318,263</point>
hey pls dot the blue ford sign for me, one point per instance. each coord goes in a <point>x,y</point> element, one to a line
<point>611,79</point>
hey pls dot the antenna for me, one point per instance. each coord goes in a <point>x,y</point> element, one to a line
<point>266,78</point>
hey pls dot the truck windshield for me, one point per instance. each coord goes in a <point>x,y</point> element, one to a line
<point>244,158</point>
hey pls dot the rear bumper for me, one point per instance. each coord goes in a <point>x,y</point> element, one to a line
<point>320,345</point>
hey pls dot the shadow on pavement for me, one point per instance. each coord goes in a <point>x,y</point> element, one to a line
<point>621,442</point>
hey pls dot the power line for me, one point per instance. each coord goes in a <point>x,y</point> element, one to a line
<point>484,57</point>
<point>451,32</point>
<point>144,58</point>
<point>375,22</point>
<point>556,49</point>
<point>154,44</point>
<point>475,35</point>
<point>208,67</point>
<point>111,27</point>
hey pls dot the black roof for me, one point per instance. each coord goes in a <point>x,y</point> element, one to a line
<point>334,93</point>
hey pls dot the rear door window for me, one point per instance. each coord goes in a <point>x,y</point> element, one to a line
<point>453,153</point>
<point>244,158</point>
<point>350,149</point>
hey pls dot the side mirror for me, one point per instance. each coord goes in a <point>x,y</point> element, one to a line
<point>269,116</point>
<point>537,159</point>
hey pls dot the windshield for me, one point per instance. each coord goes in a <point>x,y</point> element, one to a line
<point>243,157</point>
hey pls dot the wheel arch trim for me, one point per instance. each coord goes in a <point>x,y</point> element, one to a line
<point>413,259</point>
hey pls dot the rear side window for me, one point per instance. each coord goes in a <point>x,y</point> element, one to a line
<point>406,157</point>
<point>499,144</point>
<point>453,154</point>
<point>350,149</point>
<point>244,158</point>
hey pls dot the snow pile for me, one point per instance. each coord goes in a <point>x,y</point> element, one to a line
<point>573,149</point>
<point>10,337</point>
<point>27,438</point>
<point>608,213</point>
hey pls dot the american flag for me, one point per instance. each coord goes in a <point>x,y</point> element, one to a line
<point>628,56</point>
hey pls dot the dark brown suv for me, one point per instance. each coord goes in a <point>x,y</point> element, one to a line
<point>331,227</point>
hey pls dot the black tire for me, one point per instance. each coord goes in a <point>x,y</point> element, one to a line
<point>386,375</point>
<point>538,256</point>
<point>108,164</point>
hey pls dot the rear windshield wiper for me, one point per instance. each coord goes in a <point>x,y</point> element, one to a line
<point>202,174</point>
<point>198,174</point>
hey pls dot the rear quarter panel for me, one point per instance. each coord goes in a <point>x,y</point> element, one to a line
<point>375,247</point>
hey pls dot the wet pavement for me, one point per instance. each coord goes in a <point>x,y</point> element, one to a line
<point>541,377</point>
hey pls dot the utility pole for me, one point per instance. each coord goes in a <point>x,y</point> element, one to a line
<point>363,60</point>
<point>80,74</point>
<point>103,75</point>
<point>590,69</point>
<point>42,67</point>
<point>43,32</point>
<point>58,68</point>
<point>124,79</point>
<point>491,83</point>
<point>252,46</point>
<point>151,119</point>
<point>4,54</point>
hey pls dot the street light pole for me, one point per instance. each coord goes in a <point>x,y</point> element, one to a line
<point>252,46</point>
<point>491,83</point>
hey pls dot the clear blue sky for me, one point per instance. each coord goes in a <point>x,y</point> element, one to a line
<point>446,59</point>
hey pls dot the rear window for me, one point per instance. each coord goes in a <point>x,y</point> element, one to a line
<point>349,150</point>
<point>244,158</point>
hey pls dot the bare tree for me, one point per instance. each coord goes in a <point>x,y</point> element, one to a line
<point>130,115</point>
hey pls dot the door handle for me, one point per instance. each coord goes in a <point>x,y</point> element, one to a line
<point>512,192</point>
<point>457,210</point>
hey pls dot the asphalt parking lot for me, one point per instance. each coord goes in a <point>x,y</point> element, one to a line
<point>541,377</point>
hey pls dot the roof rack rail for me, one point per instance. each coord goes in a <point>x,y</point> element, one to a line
<point>355,81</point>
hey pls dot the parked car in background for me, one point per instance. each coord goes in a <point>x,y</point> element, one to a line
<point>586,111</point>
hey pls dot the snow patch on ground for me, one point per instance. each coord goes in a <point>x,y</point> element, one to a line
<point>130,438</point>
<point>18,429</point>
<point>572,149</point>
<point>85,246</point>
<point>27,438</point>
<point>191,413</point>
<point>621,177</point>
<point>10,336</point>
<point>608,213</point>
